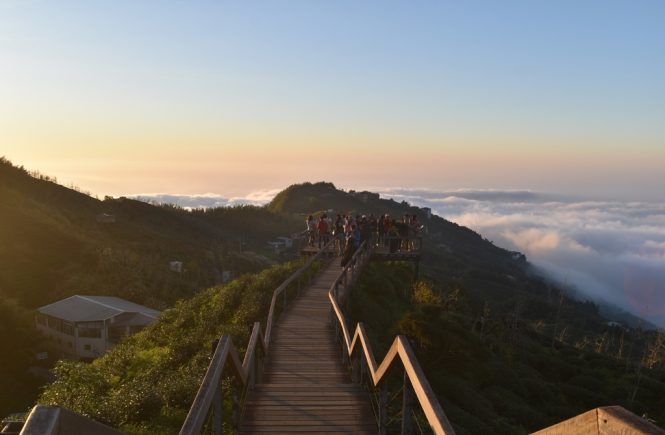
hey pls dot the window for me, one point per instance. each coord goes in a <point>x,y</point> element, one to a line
<point>87,347</point>
<point>90,329</point>
<point>90,332</point>
<point>55,323</point>
<point>68,328</point>
<point>69,344</point>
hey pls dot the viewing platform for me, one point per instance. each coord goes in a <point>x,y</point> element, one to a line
<point>390,248</point>
<point>386,249</point>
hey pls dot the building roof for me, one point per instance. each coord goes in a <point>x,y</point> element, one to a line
<point>79,308</point>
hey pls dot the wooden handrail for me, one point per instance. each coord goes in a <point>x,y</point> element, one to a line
<point>400,349</point>
<point>209,393</point>
<point>604,420</point>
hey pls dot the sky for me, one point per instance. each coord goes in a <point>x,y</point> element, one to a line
<point>229,98</point>
<point>539,124</point>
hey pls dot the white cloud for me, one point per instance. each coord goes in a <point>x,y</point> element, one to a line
<point>610,250</point>
<point>534,239</point>
<point>208,200</point>
<point>260,197</point>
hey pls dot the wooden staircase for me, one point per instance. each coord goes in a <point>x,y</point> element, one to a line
<point>305,387</point>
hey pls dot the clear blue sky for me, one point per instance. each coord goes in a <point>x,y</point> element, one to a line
<point>137,96</point>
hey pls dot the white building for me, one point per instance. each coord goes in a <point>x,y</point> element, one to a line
<point>287,241</point>
<point>175,266</point>
<point>106,218</point>
<point>85,327</point>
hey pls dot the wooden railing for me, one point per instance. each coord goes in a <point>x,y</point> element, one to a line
<point>604,420</point>
<point>357,352</point>
<point>400,244</point>
<point>208,405</point>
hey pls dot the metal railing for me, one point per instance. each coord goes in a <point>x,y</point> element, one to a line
<point>389,244</point>
<point>357,353</point>
<point>209,403</point>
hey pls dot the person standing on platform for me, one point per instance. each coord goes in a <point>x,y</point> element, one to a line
<point>311,230</point>
<point>322,226</point>
<point>338,232</point>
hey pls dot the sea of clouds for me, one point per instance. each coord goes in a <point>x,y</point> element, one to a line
<point>208,200</point>
<point>609,250</point>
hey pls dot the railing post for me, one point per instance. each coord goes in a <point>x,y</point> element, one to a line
<point>383,407</point>
<point>355,368</point>
<point>363,367</point>
<point>235,408</point>
<point>217,413</point>
<point>257,367</point>
<point>407,399</point>
<point>284,304</point>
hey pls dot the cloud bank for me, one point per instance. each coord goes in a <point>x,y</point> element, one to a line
<point>208,200</point>
<point>610,250</point>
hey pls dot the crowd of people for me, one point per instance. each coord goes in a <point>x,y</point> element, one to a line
<point>349,232</point>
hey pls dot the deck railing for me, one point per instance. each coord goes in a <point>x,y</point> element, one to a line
<point>399,244</point>
<point>357,353</point>
<point>208,406</point>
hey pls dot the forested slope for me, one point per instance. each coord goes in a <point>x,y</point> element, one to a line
<point>498,371</point>
<point>52,246</point>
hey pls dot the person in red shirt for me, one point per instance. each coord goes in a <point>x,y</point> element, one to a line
<point>322,226</point>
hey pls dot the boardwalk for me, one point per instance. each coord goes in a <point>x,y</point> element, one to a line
<point>306,388</point>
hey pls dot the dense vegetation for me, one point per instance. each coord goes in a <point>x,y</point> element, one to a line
<point>147,383</point>
<point>501,372</point>
<point>17,353</point>
<point>506,350</point>
<point>52,246</point>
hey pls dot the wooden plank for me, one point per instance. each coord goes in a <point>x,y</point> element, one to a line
<point>608,420</point>
<point>318,432</point>
<point>306,389</point>
<point>304,420</point>
<point>263,412</point>
<point>312,428</point>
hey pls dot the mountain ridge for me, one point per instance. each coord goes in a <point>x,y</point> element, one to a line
<point>488,300</point>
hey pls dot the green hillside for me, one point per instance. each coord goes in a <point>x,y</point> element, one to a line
<point>52,246</point>
<point>506,376</point>
<point>506,350</point>
<point>147,383</point>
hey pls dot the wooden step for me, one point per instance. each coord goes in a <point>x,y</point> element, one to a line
<point>306,388</point>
